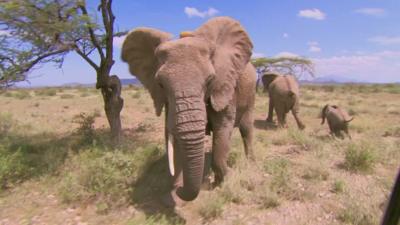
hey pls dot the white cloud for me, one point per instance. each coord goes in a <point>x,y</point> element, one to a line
<point>371,11</point>
<point>4,33</point>
<point>193,12</point>
<point>287,54</point>
<point>314,46</point>
<point>118,41</point>
<point>314,49</point>
<point>385,40</point>
<point>285,35</point>
<point>373,67</point>
<point>257,55</point>
<point>315,14</point>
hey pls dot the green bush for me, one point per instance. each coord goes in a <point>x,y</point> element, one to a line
<point>6,123</point>
<point>137,94</point>
<point>315,173</point>
<point>46,92</point>
<point>66,96</point>
<point>157,219</point>
<point>106,175</point>
<point>14,166</point>
<point>279,169</point>
<point>86,126</point>
<point>338,186</point>
<point>212,208</point>
<point>268,199</point>
<point>22,94</point>
<point>360,157</point>
<point>356,214</point>
<point>392,132</point>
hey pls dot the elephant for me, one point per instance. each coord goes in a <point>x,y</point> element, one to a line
<point>283,96</point>
<point>206,83</point>
<point>338,120</point>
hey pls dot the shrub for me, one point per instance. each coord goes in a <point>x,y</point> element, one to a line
<point>46,92</point>
<point>360,157</point>
<point>22,94</point>
<point>86,126</point>
<point>13,166</point>
<point>315,173</point>
<point>393,132</point>
<point>107,176</point>
<point>6,123</point>
<point>157,219</point>
<point>356,214</point>
<point>302,139</point>
<point>268,199</point>
<point>338,186</point>
<point>137,94</point>
<point>212,207</point>
<point>279,169</point>
<point>84,94</point>
<point>66,96</point>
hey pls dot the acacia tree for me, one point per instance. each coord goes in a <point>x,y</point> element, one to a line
<point>35,32</point>
<point>296,66</point>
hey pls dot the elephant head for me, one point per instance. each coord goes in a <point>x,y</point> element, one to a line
<point>183,75</point>
<point>267,79</point>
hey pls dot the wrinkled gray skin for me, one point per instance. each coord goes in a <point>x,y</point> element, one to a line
<point>206,84</point>
<point>283,97</point>
<point>338,120</point>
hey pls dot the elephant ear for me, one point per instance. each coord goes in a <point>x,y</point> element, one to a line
<point>138,50</point>
<point>232,52</point>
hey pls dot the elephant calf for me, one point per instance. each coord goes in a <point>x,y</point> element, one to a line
<point>283,96</point>
<point>338,119</point>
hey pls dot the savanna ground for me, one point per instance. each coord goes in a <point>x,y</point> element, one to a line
<point>58,166</point>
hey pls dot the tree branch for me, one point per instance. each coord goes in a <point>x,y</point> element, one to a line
<point>86,58</point>
<point>91,33</point>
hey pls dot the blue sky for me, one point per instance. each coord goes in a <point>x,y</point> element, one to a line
<point>357,39</point>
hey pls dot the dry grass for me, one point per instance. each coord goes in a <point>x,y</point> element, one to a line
<point>57,167</point>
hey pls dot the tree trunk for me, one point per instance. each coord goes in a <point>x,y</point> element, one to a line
<point>113,104</point>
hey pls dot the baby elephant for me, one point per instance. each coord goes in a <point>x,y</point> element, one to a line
<point>338,120</point>
<point>283,97</point>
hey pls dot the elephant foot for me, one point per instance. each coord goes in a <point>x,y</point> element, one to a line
<point>302,127</point>
<point>171,200</point>
<point>268,120</point>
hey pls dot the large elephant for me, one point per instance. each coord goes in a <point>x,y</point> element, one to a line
<point>283,96</point>
<point>206,84</point>
<point>338,119</point>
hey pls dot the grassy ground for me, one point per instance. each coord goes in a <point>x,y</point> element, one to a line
<point>58,166</point>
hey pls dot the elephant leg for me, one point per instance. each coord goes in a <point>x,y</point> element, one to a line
<point>281,114</point>
<point>246,131</point>
<point>270,111</point>
<point>300,125</point>
<point>346,130</point>
<point>220,148</point>
<point>331,129</point>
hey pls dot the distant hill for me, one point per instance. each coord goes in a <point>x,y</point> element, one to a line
<point>132,81</point>
<point>124,82</point>
<point>331,79</point>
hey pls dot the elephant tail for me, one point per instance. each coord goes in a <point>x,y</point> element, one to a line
<point>293,103</point>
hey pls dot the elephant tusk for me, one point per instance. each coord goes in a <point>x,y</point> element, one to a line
<point>170,152</point>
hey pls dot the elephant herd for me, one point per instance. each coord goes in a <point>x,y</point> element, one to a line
<point>206,83</point>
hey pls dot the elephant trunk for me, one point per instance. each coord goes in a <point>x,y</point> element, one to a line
<point>190,134</point>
